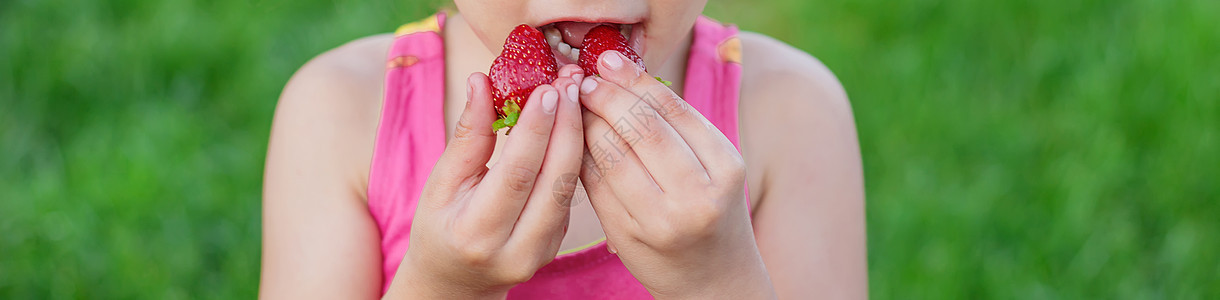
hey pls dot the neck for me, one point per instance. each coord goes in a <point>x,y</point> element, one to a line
<point>471,56</point>
<point>674,68</point>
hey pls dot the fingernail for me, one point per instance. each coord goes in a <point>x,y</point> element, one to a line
<point>549,100</point>
<point>572,93</point>
<point>588,85</point>
<point>612,61</point>
<point>578,76</point>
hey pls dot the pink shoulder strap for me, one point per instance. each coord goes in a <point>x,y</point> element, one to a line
<point>410,135</point>
<point>713,74</point>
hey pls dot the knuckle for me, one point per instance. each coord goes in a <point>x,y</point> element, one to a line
<point>733,170</point>
<point>577,126</point>
<point>671,106</point>
<point>617,93</point>
<point>517,271</point>
<point>464,130</point>
<point>704,216</point>
<point>698,221</point>
<point>474,253</point>
<point>540,130</point>
<point>652,136</point>
<point>667,237</point>
<point>520,178</point>
<point>639,80</point>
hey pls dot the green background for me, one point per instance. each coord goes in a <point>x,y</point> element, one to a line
<point>1012,148</point>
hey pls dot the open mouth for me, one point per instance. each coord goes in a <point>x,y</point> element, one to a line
<point>566,38</point>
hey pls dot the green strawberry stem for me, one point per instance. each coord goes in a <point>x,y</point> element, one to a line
<point>663,81</point>
<point>512,112</point>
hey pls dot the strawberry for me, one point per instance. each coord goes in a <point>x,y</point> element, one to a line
<point>525,63</point>
<point>598,40</point>
<point>606,37</point>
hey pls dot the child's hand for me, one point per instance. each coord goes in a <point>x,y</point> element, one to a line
<point>479,231</point>
<point>669,188</point>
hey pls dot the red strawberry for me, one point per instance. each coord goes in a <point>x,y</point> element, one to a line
<point>598,40</point>
<point>606,37</point>
<point>525,63</point>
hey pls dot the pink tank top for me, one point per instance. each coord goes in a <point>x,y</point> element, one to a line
<point>411,137</point>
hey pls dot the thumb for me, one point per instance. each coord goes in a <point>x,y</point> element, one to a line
<point>473,141</point>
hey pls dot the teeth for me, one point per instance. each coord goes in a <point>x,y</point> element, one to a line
<point>555,39</point>
<point>552,36</point>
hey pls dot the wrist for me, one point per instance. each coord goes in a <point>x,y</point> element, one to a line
<point>414,283</point>
<point>737,283</point>
<point>739,274</point>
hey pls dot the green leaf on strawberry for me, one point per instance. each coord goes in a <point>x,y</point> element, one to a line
<point>512,112</point>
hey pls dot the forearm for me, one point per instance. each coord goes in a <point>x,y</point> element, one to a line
<point>409,284</point>
<point>747,279</point>
<point>739,273</point>
<point>754,284</point>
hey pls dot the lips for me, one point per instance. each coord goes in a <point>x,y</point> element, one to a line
<point>566,38</point>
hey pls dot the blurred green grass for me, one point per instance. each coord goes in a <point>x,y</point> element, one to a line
<point>1012,149</point>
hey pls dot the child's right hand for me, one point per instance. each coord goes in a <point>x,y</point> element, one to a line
<point>477,231</point>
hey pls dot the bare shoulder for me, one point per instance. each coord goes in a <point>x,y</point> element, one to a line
<point>772,67</point>
<point>341,80</point>
<point>317,232</point>
<point>803,161</point>
<point>328,112</point>
<point>794,107</point>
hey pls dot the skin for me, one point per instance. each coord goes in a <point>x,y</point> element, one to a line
<point>478,231</point>
<point>675,199</point>
<point>807,208</point>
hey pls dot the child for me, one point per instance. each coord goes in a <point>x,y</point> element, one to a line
<point>387,142</point>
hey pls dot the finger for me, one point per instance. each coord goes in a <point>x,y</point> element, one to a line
<point>609,210</point>
<point>616,166</point>
<point>547,210</point>
<point>668,158</point>
<point>467,152</point>
<point>715,152</point>
<point>572,71</point>
<point>503,191</point>
<point>613,217</point>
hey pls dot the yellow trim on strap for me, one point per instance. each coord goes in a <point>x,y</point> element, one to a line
<point>427,24</point>
<point>587,246</point>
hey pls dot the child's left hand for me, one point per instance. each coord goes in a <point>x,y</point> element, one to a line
<point>668,187</point>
